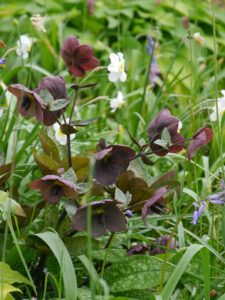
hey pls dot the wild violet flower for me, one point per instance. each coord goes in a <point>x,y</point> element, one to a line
<point>56,86</point>
<point>201,137</point>
<point>175,141</point>
<point>198,211</point>
<point>60,136</point>
<point>199,39</point>
<point>3,62</point>
<point>23,46</point>
<point>154,204</point>
<point>221,108</point>
<point>53,188</point>
<point>154,67</point>
<point>78,58</point>
<point>116,102</point>
<point>111,162</point>
<point>29,102</point>
<point>117,67</point>
<point>162,241</point>
<point>105,214</point>
<point>38,22</point>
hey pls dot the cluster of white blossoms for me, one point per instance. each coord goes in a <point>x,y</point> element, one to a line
<point>61,137</point>
<point>117,72</point>
<point>221,108</point>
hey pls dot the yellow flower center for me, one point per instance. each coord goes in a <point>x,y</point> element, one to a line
<point>60,132</point>
<point>122,67</point>
<point>98,211</point>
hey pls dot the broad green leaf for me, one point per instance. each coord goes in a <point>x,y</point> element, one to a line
<point>61,253</point>
<point>221,297</point>
<point>70,175</point>
<point>83,123</point>
<point>79,245</point>
<point>8,276</point>
<point>46,164</point>
<point>90,268</point>
<point>166,135</point>
<point>179,270</point>
<point>190,193</point>
<point>46,97</point>
<point>58,104</point>
<point>10,205</point>
<point>82,187</point>
<point>138,271</point>
<point>48,145</point>
<point>51,215</point>
<point>80,166</point>
<point>70,207</point>
<point>85,294</point>
<point>7,289</point>
<point>113,256</point>
<point>120,196</point>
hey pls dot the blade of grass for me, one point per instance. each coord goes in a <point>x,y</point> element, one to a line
<point>206,272</point>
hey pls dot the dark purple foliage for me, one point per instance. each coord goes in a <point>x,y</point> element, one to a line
<point>163,241</point>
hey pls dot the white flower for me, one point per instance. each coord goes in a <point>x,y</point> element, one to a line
<point>23,46</point>
<point>61,137</point>
<point>116,102</point>
<point>117,67</point>
<point>38,22</point>
<point>198,39</point>
<point>221,108</point>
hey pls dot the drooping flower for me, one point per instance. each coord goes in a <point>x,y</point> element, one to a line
<point>116,102</point>
<point>38,22</point>
<point>221,108</point>
<point>137,249</point>
<point>29,103</point>
<point>162,241</point>
<point>117,67</point>
<point>165,121</point>
<point>201,137</point>
<point>154,205</point>
<point>198,211</point>
<point>53,188</point>
<point>199,39</point>
<point>217,198</point>
<point>91,6</point>
<point>111,162</point>
<point>154,67</point>
<point>56,86</point>
<point>23,46</point>
<point>78,58</point>
<point>3,62</point>
<point>60,136</point>
<point>105,214</point>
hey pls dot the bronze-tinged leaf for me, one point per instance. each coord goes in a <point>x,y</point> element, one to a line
<point>163,179</point>
<point>97,189</point>
<point>31,213</point>
<point>80,166</point>
<point>68,129</point>
<point>5,171</point>
<point>49,146</point>
<point>46,164</point>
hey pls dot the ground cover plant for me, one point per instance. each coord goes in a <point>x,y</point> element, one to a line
<point>112,149</point>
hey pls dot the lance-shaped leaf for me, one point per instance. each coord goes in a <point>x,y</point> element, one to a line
<point>49,146</point>
<point>67,129</point>
<point>83,123</point>
<point>58,104</point>
<point>5,171</point>
<point>46,163</point>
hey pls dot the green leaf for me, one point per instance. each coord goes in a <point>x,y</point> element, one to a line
<point>60,251</point>
<point>46,163</point>
<point>8,276</point>
<point>67,129</point>
<point>113,256</point>
<point>49,146</point>
<point>83,123</point>
<point>223,225</point>
<point>179,270</point>
<point>138,271</point>
<point>90,268</point>
<point>79,245</point>
<point>70,175</point>
<point>165,140</point>
<point>5,171</point>
<point>46,97</point>
<point>51,215</point>
<point>7,289</point>
<point>58,104</point>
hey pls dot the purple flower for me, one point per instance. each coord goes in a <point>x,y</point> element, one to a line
<point>217,198</point>
<point>105,214</point>
<point>222,185</point>
<point>197,213</point>
<point>163,241</point>
<point>53,188</point>
<point>154,67</point>
<point>137,249</point>
<point>3,61</point>
<point>129,213</point>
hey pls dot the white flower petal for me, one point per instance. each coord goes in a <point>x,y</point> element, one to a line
<point>120,96</point>
<point>114,58</point>
<point>123,76</point>
<point>213,116</point>
<point>113,76</point>
<point>113,68</point>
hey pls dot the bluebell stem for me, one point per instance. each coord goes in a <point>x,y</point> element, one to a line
<point>198,211</point>
<point>154,67</point>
